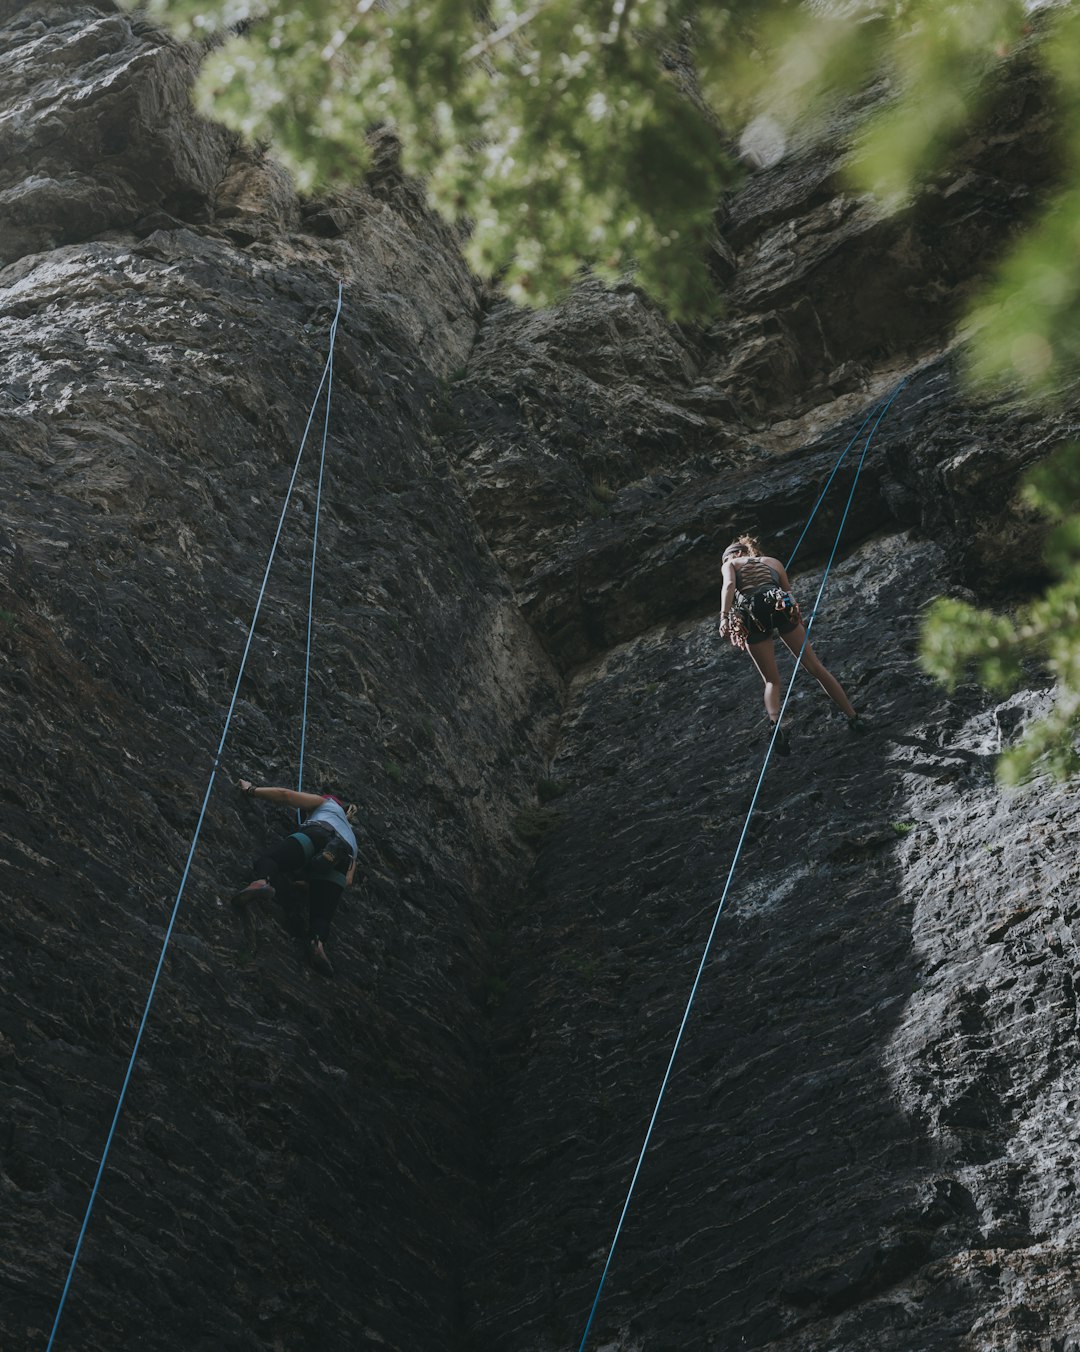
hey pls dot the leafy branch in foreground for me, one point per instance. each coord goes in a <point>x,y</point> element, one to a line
<point>565,132</point>
<point>958,637</point>
<point>589,132</point>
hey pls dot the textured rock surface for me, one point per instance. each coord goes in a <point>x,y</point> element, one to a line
<point>156,384</point>
<point>869,1138</point>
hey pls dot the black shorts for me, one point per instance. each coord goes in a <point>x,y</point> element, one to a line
<point>782,624</point>
<point>767,612</point>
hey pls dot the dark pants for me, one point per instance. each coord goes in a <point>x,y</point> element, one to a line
<point>288,862</point>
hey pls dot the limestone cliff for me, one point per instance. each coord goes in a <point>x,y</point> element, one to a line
<point>869,1140</point>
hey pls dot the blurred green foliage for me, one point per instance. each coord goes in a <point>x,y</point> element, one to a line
<point>572,133</point>
<point>565,132</point>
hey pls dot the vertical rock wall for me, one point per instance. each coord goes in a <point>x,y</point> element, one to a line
<point>297,1163</point>
<point>867,1140</point>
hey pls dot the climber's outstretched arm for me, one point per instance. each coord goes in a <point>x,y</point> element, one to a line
<point>303,802</point>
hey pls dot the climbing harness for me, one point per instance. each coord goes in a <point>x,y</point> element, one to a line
<point>326,381</point>
<point>776,733</point>
<point>759,612</point>
<point>327,849</point>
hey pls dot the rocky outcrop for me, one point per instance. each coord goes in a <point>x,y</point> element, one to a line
<point>97,132</point>
<point>867,1140</point>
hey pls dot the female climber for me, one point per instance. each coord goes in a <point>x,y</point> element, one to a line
<point>320,855</point>
<point>757,604</point>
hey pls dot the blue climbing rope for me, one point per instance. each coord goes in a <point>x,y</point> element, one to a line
<point>734,861</point>
<point>840,461</point>
<point>315,545</point>
<point>191,851</point>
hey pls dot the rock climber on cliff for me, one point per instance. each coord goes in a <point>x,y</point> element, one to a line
<point>756,605</point>
<point>320,854</point>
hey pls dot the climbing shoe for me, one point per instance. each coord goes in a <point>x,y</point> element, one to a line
<point>782,745</point>
<point>317,958</point>
<point>261,892</point>
<point>858,725</point>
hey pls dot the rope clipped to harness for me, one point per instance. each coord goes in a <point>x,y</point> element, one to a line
<point>758,614</point>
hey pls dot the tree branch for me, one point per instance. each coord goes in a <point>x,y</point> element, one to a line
<point>509,28</point>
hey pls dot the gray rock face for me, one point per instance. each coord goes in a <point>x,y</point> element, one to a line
<point>868,1140</point>
<point>96,131</point>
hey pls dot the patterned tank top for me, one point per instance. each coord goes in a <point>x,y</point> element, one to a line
<point>754,573</point>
